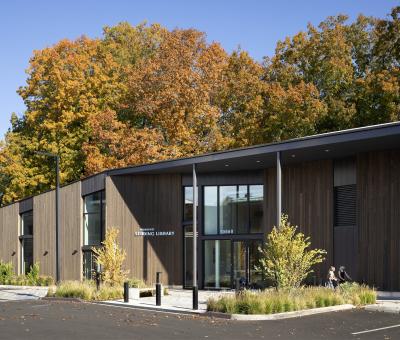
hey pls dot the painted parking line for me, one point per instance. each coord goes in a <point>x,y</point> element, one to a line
<point>375,330</point>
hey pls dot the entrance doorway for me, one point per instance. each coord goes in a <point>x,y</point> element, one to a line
<point>225,261</point>
<point>245,259</point>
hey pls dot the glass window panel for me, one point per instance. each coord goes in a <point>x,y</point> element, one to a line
<point>27,223</point>
<point>256,277</point>
<point>92,203</point>
<point>242,210</point>
<point>210,210</point>
<point>188,204</point>
<point>188,259</point>
<point>27,246</point>
<point>256,198</point>
<point>92,229</point>
<point>217,264</point>
<point>89,265</point>
<point>239,262</point>
<point>227,209</point>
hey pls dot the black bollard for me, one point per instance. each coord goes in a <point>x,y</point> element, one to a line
<point>195,297</point>
<point>158,290</point>
<point>237,286</point>
<point>126,291</point>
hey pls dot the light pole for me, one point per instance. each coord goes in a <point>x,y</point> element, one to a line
<point>57,157</point>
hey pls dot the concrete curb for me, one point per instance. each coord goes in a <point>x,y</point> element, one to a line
<point>5,287</point>
<point>63,299</point>
<point>151,308</point>
<point>281,316</point>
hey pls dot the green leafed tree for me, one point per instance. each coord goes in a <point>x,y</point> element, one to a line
<point>286,258</point>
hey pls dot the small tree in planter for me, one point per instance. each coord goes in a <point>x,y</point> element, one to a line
<point>285,257</point>
<point>111,257</point>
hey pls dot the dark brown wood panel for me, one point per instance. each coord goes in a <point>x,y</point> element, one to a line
<point>148,201</point>
<point>378,218</point>
<point>71,232</point>
<point>307,198</point>
<point>9,231</point>
<point>44,232</point>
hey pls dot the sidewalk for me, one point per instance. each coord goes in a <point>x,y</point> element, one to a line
<point>8,293</point>
<point>177,301</point>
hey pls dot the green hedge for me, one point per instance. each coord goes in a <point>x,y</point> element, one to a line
<point>272,301</point>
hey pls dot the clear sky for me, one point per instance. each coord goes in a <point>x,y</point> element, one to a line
<point>256,26</point>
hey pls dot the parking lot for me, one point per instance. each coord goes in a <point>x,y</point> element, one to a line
<point>44,319</point>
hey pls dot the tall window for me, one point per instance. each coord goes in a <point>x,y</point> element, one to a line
<point>188,204</point>
<point>233,209</point>
<point>93,229</point>
<point>26,239</point>
<point>93,218</point>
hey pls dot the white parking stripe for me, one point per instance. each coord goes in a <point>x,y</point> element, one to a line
<point>375,330</point>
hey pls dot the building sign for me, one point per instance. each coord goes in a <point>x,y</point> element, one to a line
<point>152,232</point>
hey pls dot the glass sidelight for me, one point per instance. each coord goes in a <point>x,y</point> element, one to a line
<point>245,258</point>
<point>188,256</point>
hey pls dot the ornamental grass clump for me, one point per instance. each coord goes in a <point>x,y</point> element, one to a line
<point>286,259</point>
<point>272,301</point>
<point>86,290</point>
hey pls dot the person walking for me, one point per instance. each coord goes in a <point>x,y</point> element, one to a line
<point>342,275</point>
<point>332,279</point>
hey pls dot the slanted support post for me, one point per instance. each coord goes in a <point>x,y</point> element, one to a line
<point>278,188</point>
<point>195,288</point>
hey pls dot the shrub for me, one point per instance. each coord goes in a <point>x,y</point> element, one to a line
<point>111,258</point>
<point>136,283</point>
<point>285,258</point>
<point>33,274</point>
<point>6,271</point>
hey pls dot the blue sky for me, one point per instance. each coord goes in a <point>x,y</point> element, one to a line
<point>256,26</point>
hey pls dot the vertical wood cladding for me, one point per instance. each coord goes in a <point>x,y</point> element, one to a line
<point>307,198</point>
<point>378,202</point>
<point>44,235</point>
<point>148,201</point>
<point>9,231</point>
<point>70,232</point>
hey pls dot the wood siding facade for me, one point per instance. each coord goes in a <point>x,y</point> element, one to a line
<point>378,218</point>
<point>148,201</point>
<point>71,232</point>
<point>9,231</point>
<point>307,198</point>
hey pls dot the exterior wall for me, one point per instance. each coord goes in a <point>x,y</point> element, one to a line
<point>148,201</point>
<point>307,198</point>
<point>71,232</point>
<point>44,235</point>
<point>378,188</point>
<point>9,231</point>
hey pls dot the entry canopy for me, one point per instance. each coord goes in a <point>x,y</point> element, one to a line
<point>330,145</point>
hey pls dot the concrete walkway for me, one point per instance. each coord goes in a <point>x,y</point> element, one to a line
<point>177,300</point>
<point>386,306</point>
<point>8,293</point>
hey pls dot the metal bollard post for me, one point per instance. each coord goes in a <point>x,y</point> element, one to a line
<point>158,290</point>
<point>237,286</point>
<point>126,291</point>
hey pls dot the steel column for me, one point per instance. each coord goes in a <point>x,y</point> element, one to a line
<point>195,288</point>
<point>278,188</point>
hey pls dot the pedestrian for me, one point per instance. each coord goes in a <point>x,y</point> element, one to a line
<point>332,279</point>
<point>342,275</point>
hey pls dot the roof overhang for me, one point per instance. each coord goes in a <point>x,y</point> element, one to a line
<point>324,146</point>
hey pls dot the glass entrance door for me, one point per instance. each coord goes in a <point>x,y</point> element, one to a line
<point>188,256</point>
<point>245,258</point>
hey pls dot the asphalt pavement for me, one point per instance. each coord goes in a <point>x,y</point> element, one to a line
<point>44,319</point>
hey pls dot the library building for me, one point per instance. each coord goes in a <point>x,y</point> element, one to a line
<point>342,189</point>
